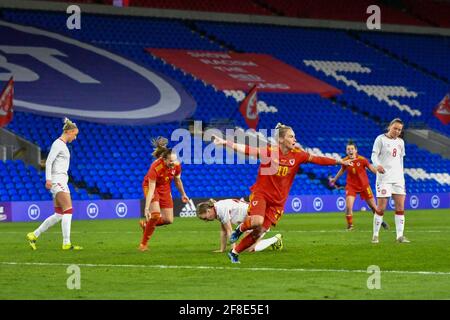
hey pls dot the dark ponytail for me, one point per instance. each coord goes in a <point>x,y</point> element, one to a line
<point>160,148</point>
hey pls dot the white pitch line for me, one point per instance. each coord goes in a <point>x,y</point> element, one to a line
<point>217,268</point>
<point>214,231</point>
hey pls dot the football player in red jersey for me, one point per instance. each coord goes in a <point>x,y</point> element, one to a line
<point>157,191</point>
<point>279,166</point>
<point>357,182</point>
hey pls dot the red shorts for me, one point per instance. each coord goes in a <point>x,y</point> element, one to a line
<point>365,193</point>
<point>259,206</point>
<point>164,198</point>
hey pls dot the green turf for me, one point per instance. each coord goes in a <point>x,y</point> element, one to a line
<point>320,260</point>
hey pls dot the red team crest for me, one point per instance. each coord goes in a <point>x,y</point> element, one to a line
<point>291,162</point>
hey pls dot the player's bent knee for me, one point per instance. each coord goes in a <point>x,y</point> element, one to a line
<point>168,220</point>
<point>257,221</point>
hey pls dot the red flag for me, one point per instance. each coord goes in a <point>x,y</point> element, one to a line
<point>442,111</point>
<point>249,109</point>
<point>6,103</point>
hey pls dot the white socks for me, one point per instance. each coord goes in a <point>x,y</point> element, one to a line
<point>399,224</point>
<point>50,221</point>
<point>377,221</point>
<point>265,243</point>
<point>65,226</point>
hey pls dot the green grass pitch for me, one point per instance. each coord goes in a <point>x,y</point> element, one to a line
<point>320,260</point>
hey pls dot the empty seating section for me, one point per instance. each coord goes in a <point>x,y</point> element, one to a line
<point>228,6</point>
<point>428,52</point>
<point>110,161</point>
<point>435,11</point>
<point>295,45</point>
<point>349,10</point>
<point>408,12</point>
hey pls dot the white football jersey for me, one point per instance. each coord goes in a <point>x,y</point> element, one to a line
<point>57,163</point>
<point>389,154</point>
<point>231,210</point>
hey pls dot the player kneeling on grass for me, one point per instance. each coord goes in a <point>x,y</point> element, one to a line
<point>56,176</point>
<point>232,212</point>
<point>357,182</point>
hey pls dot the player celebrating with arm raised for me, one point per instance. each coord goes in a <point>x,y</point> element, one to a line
<point>387,156</point>
<point>56,167</point>
<point>271,189</point>
<point>357,182</point>
<point>157,191</point>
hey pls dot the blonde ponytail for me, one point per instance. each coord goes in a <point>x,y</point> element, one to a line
<point>69,125</point>
<point>281,130</point>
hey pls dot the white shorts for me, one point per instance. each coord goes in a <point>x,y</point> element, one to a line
<point>59,187</point>
<point>386,190</point>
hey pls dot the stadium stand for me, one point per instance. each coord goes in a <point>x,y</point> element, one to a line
<point>110,161</point>
<point>404,12</point>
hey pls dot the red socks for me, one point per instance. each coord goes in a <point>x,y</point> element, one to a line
<point>150,227</point>
<point>349,218</point>
<point>160,222</point>
<point>245,243</point>
<point>246,224</point>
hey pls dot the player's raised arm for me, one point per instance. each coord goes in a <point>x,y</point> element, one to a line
<point>241,148</point>
<point>325,161</point>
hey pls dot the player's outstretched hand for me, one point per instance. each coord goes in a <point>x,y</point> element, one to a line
<point>347,163</point>
<point>380,169</point>
<point>48,184</point>
<point>185,198</point>
<point>218,141</point>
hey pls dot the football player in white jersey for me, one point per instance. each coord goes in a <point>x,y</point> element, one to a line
<point>232,212</point>
<point>56,167</point>
<point>387,157</point>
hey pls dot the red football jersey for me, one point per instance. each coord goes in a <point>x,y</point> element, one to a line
<point>162,174</point>
<point>275,187</point>
<point>357,175</point>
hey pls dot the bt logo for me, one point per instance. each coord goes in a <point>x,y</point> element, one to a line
<point>121,209</point>
<point>34,212</point>
<point>296,204</point>
<point>340,203</point>
<point>92,210</point>
<point>318,204</point>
